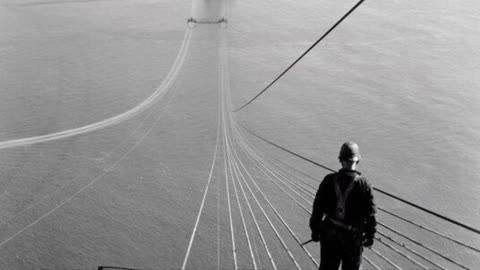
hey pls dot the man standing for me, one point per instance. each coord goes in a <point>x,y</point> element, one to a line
<point>343,216</point>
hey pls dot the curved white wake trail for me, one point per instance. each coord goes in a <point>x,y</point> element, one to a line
<point>159,92</point>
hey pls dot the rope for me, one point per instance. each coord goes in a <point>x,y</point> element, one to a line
<point>470,228</point>
<point>301,56</point>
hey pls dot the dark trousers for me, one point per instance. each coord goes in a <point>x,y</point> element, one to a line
<point>340,246</point>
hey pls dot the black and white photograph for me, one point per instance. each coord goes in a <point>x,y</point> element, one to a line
<point>239,134</point>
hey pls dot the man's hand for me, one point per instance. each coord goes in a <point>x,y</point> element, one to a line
<point>315,237</point>
<point>368,242</point>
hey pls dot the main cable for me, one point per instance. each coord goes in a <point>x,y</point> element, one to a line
<point>301,56</point>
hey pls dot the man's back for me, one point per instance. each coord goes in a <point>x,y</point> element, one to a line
<point>359,204</point>
<point>343,216</point>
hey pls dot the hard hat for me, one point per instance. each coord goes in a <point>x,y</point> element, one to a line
<point>349,151</point>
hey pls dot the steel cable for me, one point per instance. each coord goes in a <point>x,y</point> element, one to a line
<point>430,230</point>
<point>243,218</point>
<point>398,251</point>
<point>416,253</point>
<point>280,168</point>
<point>273,208</point>
<point>424,246</point>
<point>257,226</point>
<point>371,263</point>
<point>392,214</point>
<point>252,153</point>
<point>234,250</point>
<point>306,210</point>
<point>470,228</point>
<point>411,250</point>
<point>401,253</point>
<point>287,180</point>
<point>267,218</point>
<point>288,194</point>
<point>386,259</point>
<point>229,148</point>
<point>416,242</point>
<point>301,56</point>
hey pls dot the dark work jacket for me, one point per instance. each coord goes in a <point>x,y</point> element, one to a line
<point>359,207</point>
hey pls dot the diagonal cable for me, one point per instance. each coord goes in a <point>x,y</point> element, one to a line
<point>301,56</point>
